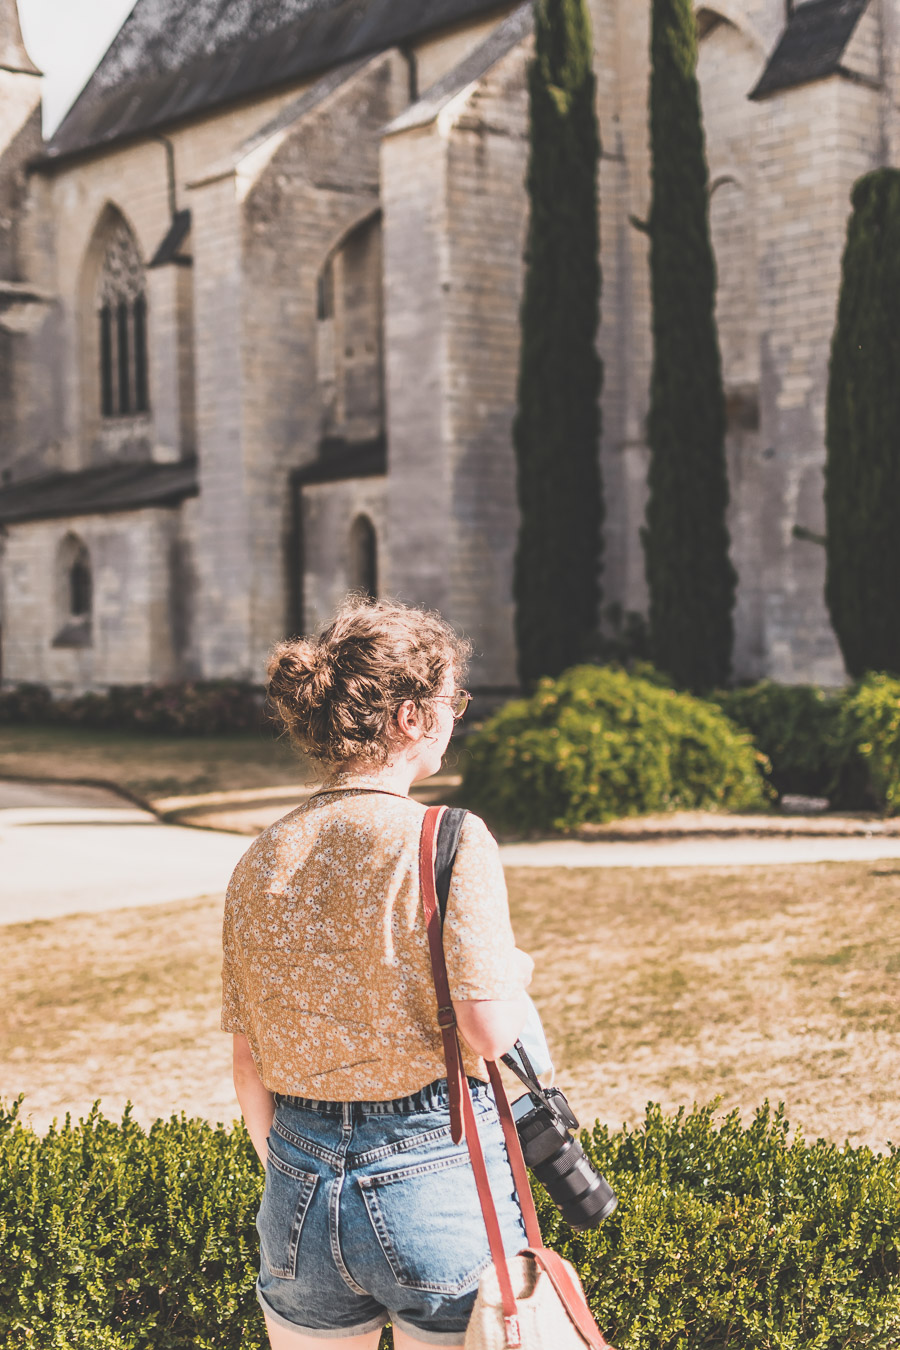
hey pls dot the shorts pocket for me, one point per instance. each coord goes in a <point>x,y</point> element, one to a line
<point>428,1223</point>
<point>282,1212</point>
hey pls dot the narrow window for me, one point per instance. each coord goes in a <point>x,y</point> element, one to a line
<point>80,596</point>
<point>106,362</point>
<point>325,292</point>
<point>123,354</point>
<point>140,354</point>
<point>121,306</point>
<point>364,557</point>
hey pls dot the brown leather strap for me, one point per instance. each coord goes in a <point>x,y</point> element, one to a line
<point>462,1123</point>
<point>445,1014</point>
<point>516,1157</point>
<point>462,1112</point>
<point>571,1295</point>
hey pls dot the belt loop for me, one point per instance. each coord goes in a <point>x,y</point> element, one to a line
<point>347,1112</point>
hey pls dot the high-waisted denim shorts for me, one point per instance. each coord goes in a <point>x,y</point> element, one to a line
<point>370,1214</point>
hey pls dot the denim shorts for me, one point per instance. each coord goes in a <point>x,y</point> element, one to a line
<point>370,1214</point>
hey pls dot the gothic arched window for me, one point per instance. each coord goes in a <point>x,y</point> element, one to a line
<point>349,335</point>
<point>122,317</point>
<point>75,594</point>
<point>364,557</point>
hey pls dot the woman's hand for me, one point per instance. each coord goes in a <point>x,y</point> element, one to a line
<point>491,1027</point>
<point>256,1101</point>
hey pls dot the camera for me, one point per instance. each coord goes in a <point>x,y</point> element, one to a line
<point>544,1121</point>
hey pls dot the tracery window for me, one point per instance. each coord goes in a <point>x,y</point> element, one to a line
<point>122,317</point>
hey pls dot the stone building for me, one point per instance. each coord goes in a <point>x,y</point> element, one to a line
<point>259,320</point>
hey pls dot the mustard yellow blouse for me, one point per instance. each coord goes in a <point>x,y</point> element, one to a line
<point>326,967</point>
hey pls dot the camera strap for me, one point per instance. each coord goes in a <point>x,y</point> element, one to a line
<point>463,1125</point>
<point>449,830</point>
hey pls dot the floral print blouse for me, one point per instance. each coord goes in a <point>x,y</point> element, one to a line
<point>326,967</point>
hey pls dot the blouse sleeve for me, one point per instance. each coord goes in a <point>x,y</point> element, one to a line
<point>231,999</point>
<point>479,946</point>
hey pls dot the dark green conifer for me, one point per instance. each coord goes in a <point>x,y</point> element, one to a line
<point>862,435</point>
<point>689,572</point>
<point>557,426</point>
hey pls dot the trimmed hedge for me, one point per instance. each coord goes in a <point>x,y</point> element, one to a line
<point>597,744</point>
<point>796,728</point>
<point>113,1238</point>
<point>868,731</point>
<point>189,708</point>
<point>843,746</point>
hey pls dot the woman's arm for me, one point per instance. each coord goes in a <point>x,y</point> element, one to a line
<point>491,1027</point>
<point>256,1101</point>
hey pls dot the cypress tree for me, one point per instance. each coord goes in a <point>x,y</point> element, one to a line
<point>557,427</point>
<point>862,435</point>
<point>689,573</point>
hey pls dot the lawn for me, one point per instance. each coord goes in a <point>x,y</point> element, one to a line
<point>151,766</point>
<point>671,985</point>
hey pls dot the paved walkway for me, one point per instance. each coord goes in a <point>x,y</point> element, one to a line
<point>66,849</point>
<point>72,850</point>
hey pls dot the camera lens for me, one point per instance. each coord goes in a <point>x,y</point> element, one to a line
<point>560,1164</point>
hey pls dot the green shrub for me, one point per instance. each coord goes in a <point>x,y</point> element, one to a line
<point>795,727</point>
<point>190,708</point>
<point>868,733</point>
<point>113,1238</point>
<point>597,744</point>
<point>738,1238</point>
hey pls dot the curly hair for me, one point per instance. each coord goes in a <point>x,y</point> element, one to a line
<point>337,695</point>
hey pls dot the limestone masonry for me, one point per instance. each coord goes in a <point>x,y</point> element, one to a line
<point>259,321</point>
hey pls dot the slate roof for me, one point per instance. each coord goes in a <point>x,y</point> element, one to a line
<point>114,487</point>
<point>176,58</point>
<point>505,36</point>
<point>811,45</point>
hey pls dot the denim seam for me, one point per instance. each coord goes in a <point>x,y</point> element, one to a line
<point>419,1170</point>
<point>310,1181</point>
<point>387,1150</point>
<point>326,1155</point>
<point>334,1202</point>
<point>455,1288</point>
<point>296,1172</point>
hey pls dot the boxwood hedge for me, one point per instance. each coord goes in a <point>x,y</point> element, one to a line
<point>599,743</point>
<point>117,1238</point>
<point>844,745</point>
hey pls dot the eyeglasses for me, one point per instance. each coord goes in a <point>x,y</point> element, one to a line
<point>458,702</point>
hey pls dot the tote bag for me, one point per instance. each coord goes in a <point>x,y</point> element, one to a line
<point>534,1301</point>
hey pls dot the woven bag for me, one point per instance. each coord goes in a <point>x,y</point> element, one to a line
<point>534,1301</point>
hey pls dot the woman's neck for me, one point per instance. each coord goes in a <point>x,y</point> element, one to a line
<point>397,777</point>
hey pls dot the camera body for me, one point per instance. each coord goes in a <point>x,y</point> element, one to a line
<point>544,1121</point>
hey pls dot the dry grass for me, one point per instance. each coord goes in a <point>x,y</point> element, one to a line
<point>151,766</point>
<point>666,985</point>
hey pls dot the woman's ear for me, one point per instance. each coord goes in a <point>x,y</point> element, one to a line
<point>409,721</point>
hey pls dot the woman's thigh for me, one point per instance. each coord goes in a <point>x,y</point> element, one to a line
<point>281,1338</point>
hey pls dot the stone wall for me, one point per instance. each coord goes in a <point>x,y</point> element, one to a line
<point>329,511</point>
<point>454,225</point>
<point>319,185</point>
<point>20,315</point>
<point>813,143</point>
<point>135,623</point>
